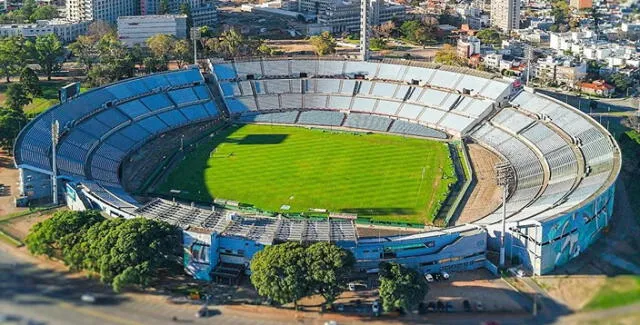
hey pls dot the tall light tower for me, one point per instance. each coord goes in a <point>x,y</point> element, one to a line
<point>504,177</point>
<point>195,36</point>
<point>55,127</point>
<point>365,23</point>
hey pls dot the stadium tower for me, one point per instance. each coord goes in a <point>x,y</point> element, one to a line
<point>365,24</point>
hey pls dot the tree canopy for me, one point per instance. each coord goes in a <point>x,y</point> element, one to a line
<point>17,97</point>
<point>30,81</point>
<point>489,36</point>
<point>290,271</point>
<point>419,31</point>
<point>11,121</point>
<point>323,44</point>
<point>448,55</point>
<point>123,252</point>
<point>401,287</point>
<point>48,50</point>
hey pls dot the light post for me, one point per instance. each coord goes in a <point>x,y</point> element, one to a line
<point>195,36</point>
<point>504,176</point>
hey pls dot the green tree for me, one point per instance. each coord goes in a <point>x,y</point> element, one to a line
<point>44,13</point>
<point>17,97</point>
<point>328,267</point>
<point>378,44</point>
<point>98,29</point>
<point>279,272</point>
<point>153,64</point>
<point>447,55</point>
<point>401,287</point>
<point>323,44</point>
<point>11,121</point>
<point>28,8</point>
<point>417,31</point>
<point>84,48</point>
<point>116,61</point>
<point>12,56</point>
<point>30,81</point>
<point>46,237</point>
<point>126,252</point>
<point>489,36</point>
<point>49,51</point>
<point>182,52</point>
<point>620,81</point>
<point>161,46</point>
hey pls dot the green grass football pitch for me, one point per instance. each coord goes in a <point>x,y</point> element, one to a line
<point>389,178</point>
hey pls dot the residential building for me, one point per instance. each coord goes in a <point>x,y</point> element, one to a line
<point>107,10</point>
<point>598,88</point>
<point>581,4</point>
<point>505,14</point>
<point>344,16</point>
<point>468,46</point>
<point>67,31</point>
<point>134,30</point>
<point>559,70</point>
<point>493,60</point>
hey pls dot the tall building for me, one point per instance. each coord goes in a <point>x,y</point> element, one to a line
<point>505,14</point>
<point>203,12</point>
<point>107,10</point>
<point>134,30</point>
<point>344,16</point>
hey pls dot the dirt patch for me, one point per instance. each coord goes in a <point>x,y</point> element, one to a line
<point>485,196</point>
<point>9,180</point>
<point>19,227</point>
<point>573,291</point>
<point>477,286</point>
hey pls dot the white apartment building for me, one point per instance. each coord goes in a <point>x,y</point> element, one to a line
<point>505,14</point>
<point>67,31</point>
<point>344,16</point>
<point>134,30</point>
<point>107,10</point>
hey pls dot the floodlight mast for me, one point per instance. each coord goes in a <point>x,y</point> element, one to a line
<point>504,176</point>
<point>364,29</point>
<point>195,36</point>
<point>55,126</point>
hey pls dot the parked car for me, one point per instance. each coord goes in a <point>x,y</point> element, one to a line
<point>375,308</point>
<point>445,275</point>
<point>202,312</point>
<point>355,286</point>
<point>479,306</point>
<point>466,305</point>
<point>449,307</point>
<point>88,298</point>
<point>431,306</point>
<point>428,277</point>
<point>440,306</point>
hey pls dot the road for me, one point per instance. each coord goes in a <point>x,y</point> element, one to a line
<point>45,296</point>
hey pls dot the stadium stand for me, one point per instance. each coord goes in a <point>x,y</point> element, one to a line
<point>560,199</point>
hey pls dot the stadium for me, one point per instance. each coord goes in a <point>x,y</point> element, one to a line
<point>256,152</point>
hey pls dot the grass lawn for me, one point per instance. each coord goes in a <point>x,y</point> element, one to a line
<point>389,178</point>
<point>618,291</point>
<point>48,98</point>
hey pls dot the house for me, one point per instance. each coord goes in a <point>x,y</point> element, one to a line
<point>598,88</point>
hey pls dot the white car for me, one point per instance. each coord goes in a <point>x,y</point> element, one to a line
<point>376,307</point>
<point>428,277</point>
<point>88,298</point>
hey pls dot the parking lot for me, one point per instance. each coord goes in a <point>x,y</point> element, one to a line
<point>483,291</point>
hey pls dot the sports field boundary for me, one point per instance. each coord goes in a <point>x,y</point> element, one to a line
<point>363,219</point>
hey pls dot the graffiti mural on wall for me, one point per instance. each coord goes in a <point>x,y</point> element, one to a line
<point>197,250</point>
<point>566,237</point>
